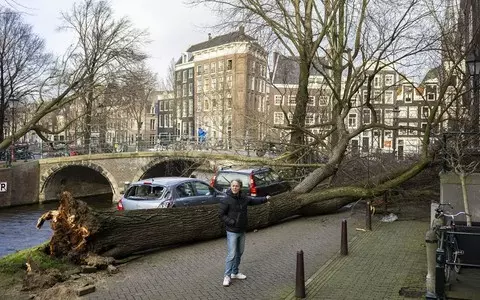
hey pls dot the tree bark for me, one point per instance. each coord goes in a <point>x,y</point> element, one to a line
<point>80,230</point>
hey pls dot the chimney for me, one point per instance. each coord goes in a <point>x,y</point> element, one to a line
<point>209,36</point>
<point>241,29</point>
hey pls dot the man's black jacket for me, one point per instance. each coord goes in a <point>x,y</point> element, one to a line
<point>233,210</point>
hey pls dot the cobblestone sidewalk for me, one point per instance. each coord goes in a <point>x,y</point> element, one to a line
<point>386,263</point>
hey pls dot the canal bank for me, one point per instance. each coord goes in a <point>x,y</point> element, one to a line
<point>20,184</point>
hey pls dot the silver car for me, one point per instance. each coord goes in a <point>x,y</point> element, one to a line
<point>164,192</point>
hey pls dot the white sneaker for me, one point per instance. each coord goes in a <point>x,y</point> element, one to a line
<point>226,281</point>
<point>239,276</point>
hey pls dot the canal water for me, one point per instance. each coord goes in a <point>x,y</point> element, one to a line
<point>17,224</point>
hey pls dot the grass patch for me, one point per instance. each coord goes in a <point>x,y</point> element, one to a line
<point>12,267</point>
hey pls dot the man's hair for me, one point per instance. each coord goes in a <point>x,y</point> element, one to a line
<point>238,181</point>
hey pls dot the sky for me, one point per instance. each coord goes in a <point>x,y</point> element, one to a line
<point>173,26</point>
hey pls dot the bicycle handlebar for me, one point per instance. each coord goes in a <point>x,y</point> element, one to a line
<point>456,215</point>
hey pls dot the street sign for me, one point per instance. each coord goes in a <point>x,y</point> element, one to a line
<point>3,187</point>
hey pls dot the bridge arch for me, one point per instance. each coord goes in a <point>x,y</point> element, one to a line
<point>167,166</point>
<point>91,176</point>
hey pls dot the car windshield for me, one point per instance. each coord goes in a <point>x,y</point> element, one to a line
<point>145,192</point>
<point>266,178</point>
<point>224,179</point>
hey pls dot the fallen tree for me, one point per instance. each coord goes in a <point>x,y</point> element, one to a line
<point>80,230</point>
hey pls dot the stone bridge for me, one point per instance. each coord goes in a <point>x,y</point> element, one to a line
<point>98,174</point>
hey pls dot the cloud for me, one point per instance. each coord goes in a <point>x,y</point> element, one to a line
<point>173,27</point>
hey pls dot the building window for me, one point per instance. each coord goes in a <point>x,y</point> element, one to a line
<point>152,124</point>
<point>220,83</point>
<point>220,66</point>
<point>199,70</point>
<point>214,84</point>
<point>377,98</point>
<point>162,124</point>
<point>425,111</point>
<point>412,112</point>
<point>277,100</point>
<point>311,101</point>
<point>212,68</point>
<point>199,103</point>
<point>179,91</point>
<point>389,80</point>
<point>190,89</point>
<point>190,108</point>
<point>377,81</point>
<point>206,85</point>
<point>184,94</point>
<point>388,97</point>
<point>252,83</point>
<point>278,118</point>
<point>179,76</point>
<point>190,73</point>
<point>367,118</point>
<point>292,100</point>
<point>431,97</point>
<point>184,108</point>
<point>184,76</point>
<point>206,105</point>
<point>229,65</point>
<point>229,102</point>
<point>323,100</point>
<point>310,119</point>
<point>229,81</point>
<point>205,69</point>
<point>199,86</point>
<point>352,120</point>
<point>412,131</point>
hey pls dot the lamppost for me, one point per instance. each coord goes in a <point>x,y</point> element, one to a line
<point>396,112</point>
<point>473,63</point>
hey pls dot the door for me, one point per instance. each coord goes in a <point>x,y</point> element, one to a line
<point>185,194</point>
<point>365,142</point>
<point>204,194</point>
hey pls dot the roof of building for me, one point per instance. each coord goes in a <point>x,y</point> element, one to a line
<point>232,37</point>
<point>287,69</point>
<point>432,74</point>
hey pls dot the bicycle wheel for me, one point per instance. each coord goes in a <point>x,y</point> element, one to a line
<point>448,259</point>
<point>456,256</point>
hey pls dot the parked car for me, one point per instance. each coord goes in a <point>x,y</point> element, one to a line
<point>256,182</point>
<point>164,192</point>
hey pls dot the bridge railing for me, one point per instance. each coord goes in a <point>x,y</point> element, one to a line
<point>170,143</point>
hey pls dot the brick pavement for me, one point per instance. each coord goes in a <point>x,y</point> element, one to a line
<point>379,264</point>
<point>196,271</point>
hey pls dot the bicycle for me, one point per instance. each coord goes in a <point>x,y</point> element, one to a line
<point>448,241</point>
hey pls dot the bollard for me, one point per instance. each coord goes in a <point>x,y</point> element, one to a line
<point>431,246</point>
<point>368,217</point>
<point>300,276</point>
<point>344,244</point>
<point>440,273</point>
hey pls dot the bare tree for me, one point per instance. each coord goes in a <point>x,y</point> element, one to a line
<point>168,83</point>
<point>457,153</point>
<point>134,95</point>
<point>105,45</point>
<point>23,64</point>
<point>348,43</point>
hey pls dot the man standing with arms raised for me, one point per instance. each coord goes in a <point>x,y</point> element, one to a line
<point>233,212</point>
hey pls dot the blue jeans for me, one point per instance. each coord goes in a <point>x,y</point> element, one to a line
<point>235,247</point>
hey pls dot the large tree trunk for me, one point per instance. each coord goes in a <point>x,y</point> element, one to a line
<point>80,230</point>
